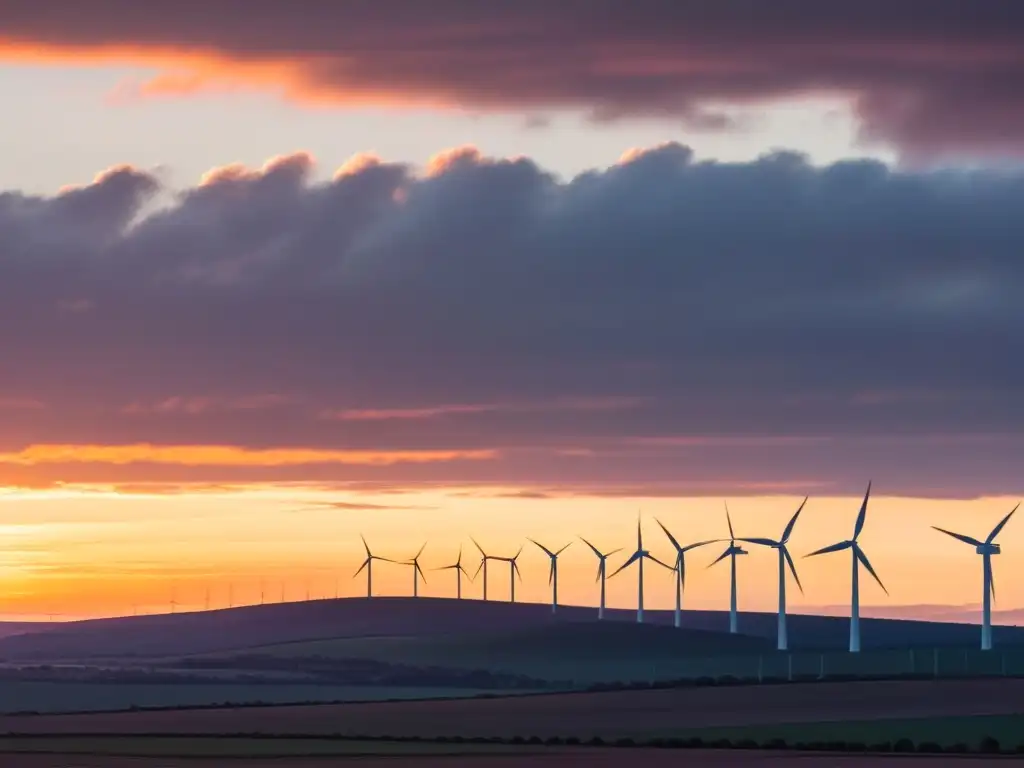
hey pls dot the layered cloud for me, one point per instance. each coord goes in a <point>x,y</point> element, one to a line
<point>925,76</point>
<point>658,326</point>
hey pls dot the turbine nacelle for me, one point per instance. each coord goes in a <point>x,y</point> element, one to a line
<point>988,549</point>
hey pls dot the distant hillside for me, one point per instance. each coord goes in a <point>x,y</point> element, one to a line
<point>256,626</point>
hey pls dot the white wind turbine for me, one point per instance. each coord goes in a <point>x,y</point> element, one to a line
<point>858,558</point>
<point>553,575</point>
<point>484,557</point>
<point>513,571</point>
<point>417,572</point>
<point>459,571</point>
<point>784,559</point>
<point>986,549</point>
<point>368,565</point>
<point>680,568</point>
<point>638,557</point>
<point>732,552</point>
<point>602,562</point>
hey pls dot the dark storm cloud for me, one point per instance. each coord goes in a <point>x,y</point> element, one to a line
<point>929,76</point>
<point>660,323</point>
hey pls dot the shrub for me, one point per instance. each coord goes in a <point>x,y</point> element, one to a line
<point>534,740</point>
<point>694,742</point>
<point>625,742</point>
<point>596,741</point>
<point>720,744</point>
<point>746,744</point>
<point>518,740</point>
<point>989,745</point>
<point>959,747</point>
<point>572,741</point>
<point>929,746</point>
<point>903,745</point>
<point>775,744</point>
<point>881,746</point>
<point>554,741</point>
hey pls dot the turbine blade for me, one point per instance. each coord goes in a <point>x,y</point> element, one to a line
<point>422,575</point>
<point>551,573</point>
<point>478,546</point>
<point>960,536</point>
<point>998,528</point>
<point>595,549</point>
<point>831,548</point>
<point>639,536</point>
<point>614,552</point>
<point>792,567</point>
<point>633,558</point>
<point>992,583</point>
<point>366,562</point>
<point>598,572</point>
<point>670,536</point>
<point>688,547</point>
<point>365,545</point>
<point>563,549</point>
<point>479,568</point>
<point>862,514</point>
<point>762,542</point>
<point>859,553</point>
<point>421,551</point>
<point>728,519</point>
<point>789,528</point>
<point>445,567</point>
<point>659,562</point>
<point>515,569</point>
<point>722,556</point>
<point>466,573</point>
<point>547,551</point>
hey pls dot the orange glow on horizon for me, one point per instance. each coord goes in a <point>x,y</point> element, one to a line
<point>78,554</point>
<point>226,455</point>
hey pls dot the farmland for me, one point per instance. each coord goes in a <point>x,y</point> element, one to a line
<point>624,714</point>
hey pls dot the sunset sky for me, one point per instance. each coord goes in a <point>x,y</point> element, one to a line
<point>428,271</point>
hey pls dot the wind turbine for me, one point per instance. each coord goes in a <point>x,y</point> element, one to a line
<point>680,567</point>
<point>784,559</point>
<point>368,565</point>
<point>513,571</point>
<point>732,552</point>
<point>858,558</point>
<point>553,574</point>
<point>459,570</point>
<point>484,557</point>
<point>602,562</point>
<point>986,549</point>
<point>638,557</point>
<point>416,571</point>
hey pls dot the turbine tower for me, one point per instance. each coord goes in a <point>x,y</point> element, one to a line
<point>416,571</point>
<point>858,558</point>
<point>638,557</point>
<point>680,568</point>
<point>784,559</point>
<point>484,557</point>
<point>368,565</point>
<point>513,571</point>
<point>732,552</point>
<point>459,570</point>
<point>602,562</point>
<point>553,575</point>
<point>986,549</point>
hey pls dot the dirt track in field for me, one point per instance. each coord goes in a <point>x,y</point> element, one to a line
<point>635,714</point>
<point>608,758</point>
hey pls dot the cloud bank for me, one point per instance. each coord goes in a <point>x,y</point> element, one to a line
<point>925,77</point>
<point>661,325</point>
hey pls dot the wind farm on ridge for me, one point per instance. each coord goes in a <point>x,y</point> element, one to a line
<point>733,550</point>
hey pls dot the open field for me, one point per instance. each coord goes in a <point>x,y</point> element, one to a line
<point>506,757</point>
<point>45,697</point>
<point>220,631</point>
<point>511,757</point>
<point>624,714</point>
